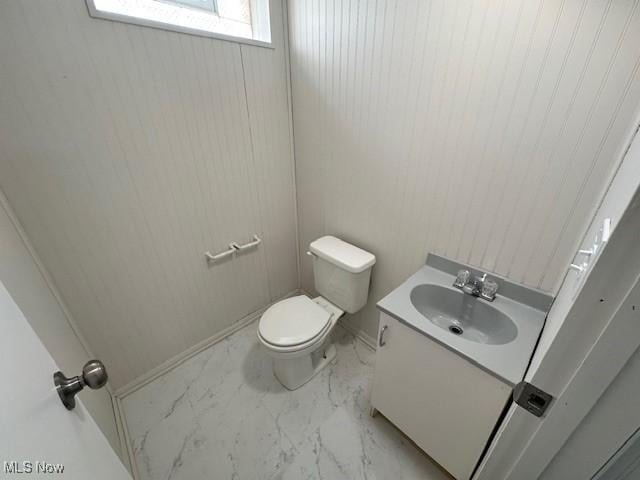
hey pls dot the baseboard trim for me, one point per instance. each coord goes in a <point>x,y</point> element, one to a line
<point>126,446</point>
<point>182,357</point>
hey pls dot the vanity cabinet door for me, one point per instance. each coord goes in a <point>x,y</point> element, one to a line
<point>443,402</point>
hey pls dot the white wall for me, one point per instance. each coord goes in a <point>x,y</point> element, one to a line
<point>483,131</point>
<point>619,195</point>
<point>29,286</point>
<point>126,152</point>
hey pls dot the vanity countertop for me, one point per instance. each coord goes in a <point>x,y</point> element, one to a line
<point>526,307</point>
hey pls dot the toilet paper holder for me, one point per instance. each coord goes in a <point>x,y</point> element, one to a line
<point>233,248</point>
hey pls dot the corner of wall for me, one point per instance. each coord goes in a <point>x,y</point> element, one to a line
<point>287,63</point>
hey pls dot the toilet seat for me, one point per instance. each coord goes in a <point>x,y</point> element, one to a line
<point>293,323</point>
<point>296,334</point>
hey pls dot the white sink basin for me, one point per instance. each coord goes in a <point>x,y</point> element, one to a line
<point>463,315</point>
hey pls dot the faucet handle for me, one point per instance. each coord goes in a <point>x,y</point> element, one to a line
<point>462,278</point>
<point>489,289</point>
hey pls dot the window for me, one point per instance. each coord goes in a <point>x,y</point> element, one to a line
<point>238,20</point>
<point>206,5</point>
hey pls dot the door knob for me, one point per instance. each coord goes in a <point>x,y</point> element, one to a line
<point>94,375</point>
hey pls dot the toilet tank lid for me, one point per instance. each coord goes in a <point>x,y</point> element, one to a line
<point>342,254</point>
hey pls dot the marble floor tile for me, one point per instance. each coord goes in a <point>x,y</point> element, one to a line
<point>223,415</point>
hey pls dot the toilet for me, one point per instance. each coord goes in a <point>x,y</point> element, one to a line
<point>296,331</point>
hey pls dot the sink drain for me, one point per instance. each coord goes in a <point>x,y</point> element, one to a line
<point>455,329</point>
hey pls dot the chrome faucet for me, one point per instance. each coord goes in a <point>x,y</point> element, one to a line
<point>476,286</point>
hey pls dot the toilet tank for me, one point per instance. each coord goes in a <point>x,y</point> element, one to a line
<point>341,272</point>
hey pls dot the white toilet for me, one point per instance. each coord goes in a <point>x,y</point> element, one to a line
<point>296,331</point>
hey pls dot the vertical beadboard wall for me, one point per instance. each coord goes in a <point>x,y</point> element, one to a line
<point>126,153</point>
<point>22,276</point>
<point>485,131</point>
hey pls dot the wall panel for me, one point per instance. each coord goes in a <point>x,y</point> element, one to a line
<point>22,275</point>
<point>126,153</point>
<point>484,131</point>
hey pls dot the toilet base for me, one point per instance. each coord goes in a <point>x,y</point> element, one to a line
<point>295,372</point>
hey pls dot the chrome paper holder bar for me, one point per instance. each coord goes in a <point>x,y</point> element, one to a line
<point>233,248</point>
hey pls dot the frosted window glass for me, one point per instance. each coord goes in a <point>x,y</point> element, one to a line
<point>227,17</point>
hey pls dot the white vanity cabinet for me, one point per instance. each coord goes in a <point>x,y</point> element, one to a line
<point>444,403</point>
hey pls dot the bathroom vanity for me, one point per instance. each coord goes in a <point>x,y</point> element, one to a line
<point>447,359</point>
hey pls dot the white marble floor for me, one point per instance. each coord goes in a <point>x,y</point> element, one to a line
<point>222,415</point>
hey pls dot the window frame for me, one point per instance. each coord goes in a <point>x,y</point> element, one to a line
<point>143,22</point>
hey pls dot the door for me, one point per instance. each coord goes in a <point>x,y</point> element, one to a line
<point>592,330</point>
<point>38,436</point>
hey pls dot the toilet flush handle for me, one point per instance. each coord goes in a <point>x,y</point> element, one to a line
<point>311,254</point>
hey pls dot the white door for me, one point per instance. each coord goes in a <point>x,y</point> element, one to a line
<point>38,436</point>
<point>592,330</point>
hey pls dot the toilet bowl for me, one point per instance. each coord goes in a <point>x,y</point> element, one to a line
<point>296,332</point>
